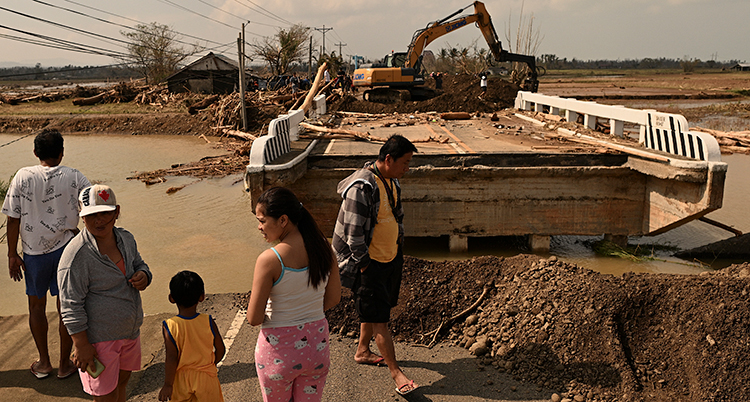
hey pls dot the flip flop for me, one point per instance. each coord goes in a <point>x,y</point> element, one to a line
<point>62,376</point>
<point>409,384</point>
<point>38,374</point>
<point>377,362</point>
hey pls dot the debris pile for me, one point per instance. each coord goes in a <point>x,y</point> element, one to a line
<point>729,142</point>
<point>460,93</point>
<point>584,335</point>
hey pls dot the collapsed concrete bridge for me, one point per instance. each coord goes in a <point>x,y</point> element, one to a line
<point>510,188</point>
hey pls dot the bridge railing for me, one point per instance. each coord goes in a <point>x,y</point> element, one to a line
<point>281,132</point>
<point>666,132</point>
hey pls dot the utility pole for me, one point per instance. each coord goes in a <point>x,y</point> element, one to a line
<point>341,54</point>
<point>324,30</point>
<point>241,52</point>
<point>309,62</point>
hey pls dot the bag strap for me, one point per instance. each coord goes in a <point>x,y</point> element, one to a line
<point>389,190</point>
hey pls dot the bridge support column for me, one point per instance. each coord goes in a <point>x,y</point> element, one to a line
<point>458,243</point>
<point>620,240</point>
<point>539,243</point>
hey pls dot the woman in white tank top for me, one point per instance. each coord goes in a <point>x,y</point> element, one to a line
<point>293,283</point>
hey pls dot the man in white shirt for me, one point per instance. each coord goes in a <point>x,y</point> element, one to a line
<point>42,209</point>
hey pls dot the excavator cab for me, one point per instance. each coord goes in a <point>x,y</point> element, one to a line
<point>394,60</point>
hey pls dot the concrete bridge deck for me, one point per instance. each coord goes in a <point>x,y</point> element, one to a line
<point>480,178</point>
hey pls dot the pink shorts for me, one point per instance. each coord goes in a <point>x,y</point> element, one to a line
<point>122,354</point>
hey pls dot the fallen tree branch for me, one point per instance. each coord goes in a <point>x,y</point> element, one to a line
<point>314,89</point>
<point>359,114</point>
<point>238,134</point>
<point>575,137</point>
<point>455,116</point>
<point>349,133</point>
<point>94,99</point>
<point>463,313</point>
<point>194,108</point>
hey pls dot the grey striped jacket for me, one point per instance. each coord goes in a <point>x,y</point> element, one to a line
<point>356,220</point>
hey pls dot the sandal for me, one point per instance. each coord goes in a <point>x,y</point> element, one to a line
<point>38,374</point>
<point>62,376</point>
<point>410,386</point>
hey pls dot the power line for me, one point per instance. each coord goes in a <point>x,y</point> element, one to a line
<point>197,13</point>
<point>138,22</point>
<point>62,44</point>
<point>264,12</point>
<point>236,16</point>
<point>49,45</point>
<point>88,33</point>
<point>68,45</point>
<point>57,43</point>
<point>106,21</point>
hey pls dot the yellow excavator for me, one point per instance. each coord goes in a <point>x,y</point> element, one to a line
<point>400,75</point>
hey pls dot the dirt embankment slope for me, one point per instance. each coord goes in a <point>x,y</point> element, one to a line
<point>590,336</point>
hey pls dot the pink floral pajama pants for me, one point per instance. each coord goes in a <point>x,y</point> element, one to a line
<point>292,362</point>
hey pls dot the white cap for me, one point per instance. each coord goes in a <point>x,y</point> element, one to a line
<point>96,198</point>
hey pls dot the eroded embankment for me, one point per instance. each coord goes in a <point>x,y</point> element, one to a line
<point>637,337</point>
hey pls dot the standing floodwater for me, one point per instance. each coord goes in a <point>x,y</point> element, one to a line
<point>208,226</point>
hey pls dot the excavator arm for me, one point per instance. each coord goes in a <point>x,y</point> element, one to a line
<point>481,17</point>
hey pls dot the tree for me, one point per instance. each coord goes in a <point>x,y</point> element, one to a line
<point>283,49</point>
<point>154,51</point>
<point>688,65</point>
<point>467,60</point>
<point>527,41</point>
<point>335,63</point>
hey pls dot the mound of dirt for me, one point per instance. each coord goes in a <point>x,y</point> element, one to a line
<point>460,93</point>
<point>588,336</point>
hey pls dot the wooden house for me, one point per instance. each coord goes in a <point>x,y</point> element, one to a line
<point>212,74</point>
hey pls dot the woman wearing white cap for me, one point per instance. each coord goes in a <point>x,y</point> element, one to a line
<point>100,277</point>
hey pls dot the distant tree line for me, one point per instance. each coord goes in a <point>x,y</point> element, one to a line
<point>68,72</point>
<point>552,62</point>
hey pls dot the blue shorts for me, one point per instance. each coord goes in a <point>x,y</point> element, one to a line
<point>41,273</point>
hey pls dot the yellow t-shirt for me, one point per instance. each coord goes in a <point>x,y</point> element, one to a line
<point>384,244</point>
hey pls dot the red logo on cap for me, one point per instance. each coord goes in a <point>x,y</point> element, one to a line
<point>104,195</point>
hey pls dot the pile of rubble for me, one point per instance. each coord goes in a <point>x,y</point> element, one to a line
<point>584,335</point>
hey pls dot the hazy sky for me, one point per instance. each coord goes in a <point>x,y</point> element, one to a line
<point>581,29</point>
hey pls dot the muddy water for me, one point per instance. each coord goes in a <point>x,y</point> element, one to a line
<point>207,227</point>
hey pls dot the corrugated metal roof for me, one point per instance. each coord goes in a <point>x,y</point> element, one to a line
<point>211,61</point>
